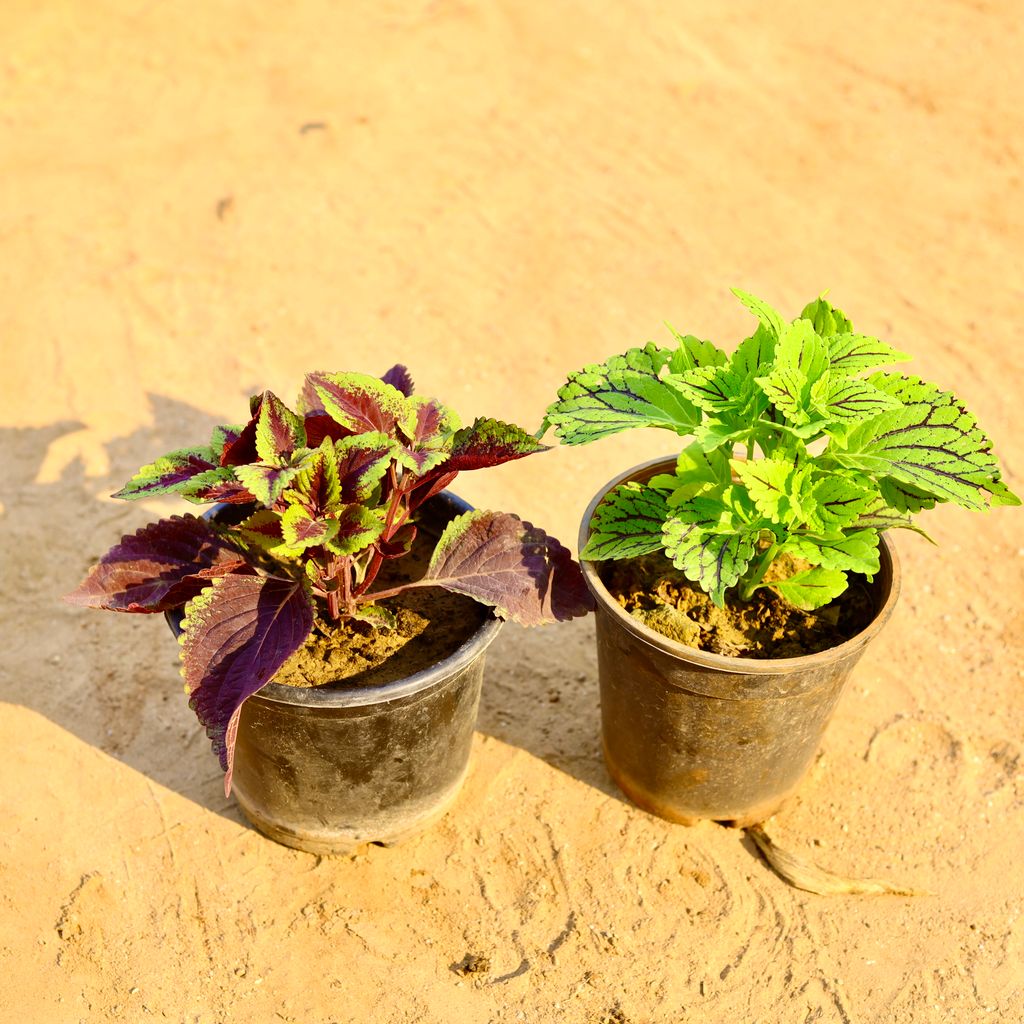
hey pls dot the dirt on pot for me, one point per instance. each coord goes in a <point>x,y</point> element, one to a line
<point>432,624</point>
<point>652,590</point>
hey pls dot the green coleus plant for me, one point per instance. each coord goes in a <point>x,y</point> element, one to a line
<point>800,446</point>
<point>317,501</point>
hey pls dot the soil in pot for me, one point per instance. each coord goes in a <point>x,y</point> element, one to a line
<point>433,623</point>
<point>653,591</point>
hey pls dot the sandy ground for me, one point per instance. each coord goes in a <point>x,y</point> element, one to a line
<point>201,200</point>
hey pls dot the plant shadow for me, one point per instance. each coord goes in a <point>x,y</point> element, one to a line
<point>110,680</point>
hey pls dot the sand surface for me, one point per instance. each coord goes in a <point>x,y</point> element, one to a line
<point>202,200</point>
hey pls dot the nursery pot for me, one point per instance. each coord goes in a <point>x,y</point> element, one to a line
<point>328,769</point>
<point>688,734</point>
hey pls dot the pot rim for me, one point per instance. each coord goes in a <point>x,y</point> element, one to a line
<point>339,696</point>
<point>889,577</point>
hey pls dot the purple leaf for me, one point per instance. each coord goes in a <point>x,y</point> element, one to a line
<point>235,636</point>
<point>319,425</point>
<point>362,461</point>
<point>241,449</point>
<point>488,443</point>
<point>360,403</point>
<point>427,439</point>
<point>431,484</point>
<point>500,560</point>
<point>398,377</point>
<point>160,567</point>
<point>400,544</point>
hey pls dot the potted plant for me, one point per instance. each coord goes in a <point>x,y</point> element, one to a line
<point>738,582</point>
<point>339,693</point>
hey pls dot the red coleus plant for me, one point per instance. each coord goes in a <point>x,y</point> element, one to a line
<point>323,497</point>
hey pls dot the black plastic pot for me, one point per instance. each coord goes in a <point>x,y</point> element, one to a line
<point>690,735</point>
<point>327,770</point>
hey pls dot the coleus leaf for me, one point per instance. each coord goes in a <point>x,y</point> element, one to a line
<point>789,391</point>
<point>837,500</point>
<point>627,523</point>
<point>626,391</point>
<point>160,567</point>
<point>317,485</point>
<point>300,530</point>
<point>172,473</point>
<point>693,352</point>
<point>426,442</point>
<point>399,377</point>
<point>712,540</point>
<point>855,353</point>
<point>489,442</point>
<point>511,565</point>
<point>778,488</point>
<point>362,461</point>
<point>800,348</point>
<point>713,388</point>
<point>827,320</point>
<point>358,528</point>
<point>235,637</point>
<point>855,552</point>
<point>696,471</point>
<point>361,403</point>
<point>904,497</point>
<point>714,561</point>
<point>261,530</point>
<point>267,483</point>
<point>279,432</point>
<point>844,398</point>
<point>755,354</point>
<point>812,588</point>
<point>769,318</point>
<point>933,444</point>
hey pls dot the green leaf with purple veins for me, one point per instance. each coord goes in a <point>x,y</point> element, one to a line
<point>511,565</point>
<point>844,398</point>
<point>626,391</point>
<point>778,488</point>
<point>932,444</point>
<point>838,500</point>
<point>856,353</point>
<point>853,552</point>
<point>827,319</point>
<point>693,352</point>
<point>812,588</point>
<point>627,523</point>
<point>769,318</point>
<point>715,561</point>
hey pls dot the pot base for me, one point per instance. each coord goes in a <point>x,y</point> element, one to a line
<point>402,825</point>
<point>653,805</point>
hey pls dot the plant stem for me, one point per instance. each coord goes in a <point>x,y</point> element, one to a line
<point>390,529</point>
<point>750,582</point>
